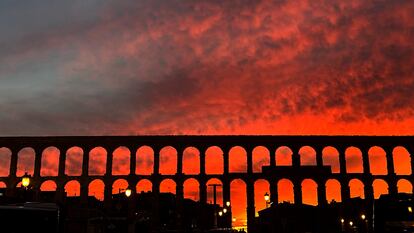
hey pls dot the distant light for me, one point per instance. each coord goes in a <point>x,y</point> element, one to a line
<point>234,219</point>
<point>363,216</point>
<point>26,180</point>
<point>410,209</point>
<point>220,213</point>
<point>342,220</point>
<point>227,203</point>
<point>224,210</point>
<point>351,223</point>
<point>128,192</point>
<point>267,197</point>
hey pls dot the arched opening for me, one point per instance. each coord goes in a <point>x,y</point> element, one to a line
<point>333,191</point>
<point>261,157</point>
<point>97,161</point>
<point>219,191</point>
<point>380,188</point>
<point>330,157</point>
<point>309,192</point>
<point>284,156</point>
<point>119,186</point>
<point>72,188</point>
<point>237,159</point>
<point>145,161</point>
<point>120,161</point>
<point>377,161</point>
<point>261,187</point>
<point>168,186</point>
<point>353,157</point>
<point>46,188</point>
<point>96,188</point>
<point>239,202</point>
<point>404,186</point>
<point>73,163</point>
<point>168,160</point>
<point>307,156</point>
<point>25,161</point>
<point>214,160</point>
<point>191,189</point>
<point>50,161</point>
<point>191,161</point>
<point>285,191</point>
<point>402,161</point>
<point>356,188</point>
<point>5,156</point>
<point>48,185</point>
<point>144,185</point>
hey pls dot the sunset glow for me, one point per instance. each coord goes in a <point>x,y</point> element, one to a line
<point>153,67</point>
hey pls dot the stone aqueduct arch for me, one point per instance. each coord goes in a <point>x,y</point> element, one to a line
<point>296,173</point>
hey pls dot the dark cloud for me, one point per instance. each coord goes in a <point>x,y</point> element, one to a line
<point>186,67</point>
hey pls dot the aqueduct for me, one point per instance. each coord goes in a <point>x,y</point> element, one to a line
<point>297,171</point>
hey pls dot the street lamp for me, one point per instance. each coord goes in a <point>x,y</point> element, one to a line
<point>220,213</point>
<point>128,192</point>
<point>351,223</point>
<point>363,217</point>
<point>224,210</point>
<point>267,198</point>
<point>26,180</point>
<point>215,202</point>
<point>228,203</point>
<point>410,209</point>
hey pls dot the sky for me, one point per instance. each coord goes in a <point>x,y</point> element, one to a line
<point>206,67</point>
<point>103,67</point>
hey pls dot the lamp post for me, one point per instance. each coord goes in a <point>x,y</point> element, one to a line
<point>215,202</point>
<point>26,180</point>
<point>267,198</point>
<point>365,222</point>
<point>229,215</point>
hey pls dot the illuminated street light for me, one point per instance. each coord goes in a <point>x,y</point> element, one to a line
<point>26,180</point>
<point>342,220</point>
<point>410,209</point>
<point>351,223</point>
<point>224,210</point>
<point>220,213</point>
<point>267,197</point>
<point>363,216</point>
<point>227,203</point>
<point>128,192</point>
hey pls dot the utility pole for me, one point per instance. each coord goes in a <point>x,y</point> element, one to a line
<point>215,202</point>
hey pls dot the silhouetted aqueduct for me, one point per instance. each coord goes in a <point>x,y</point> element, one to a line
<point>296,172</point>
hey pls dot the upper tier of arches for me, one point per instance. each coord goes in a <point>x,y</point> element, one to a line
<point>191,160</point>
